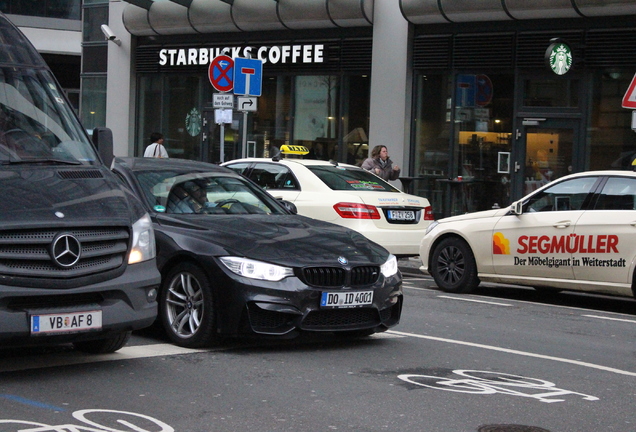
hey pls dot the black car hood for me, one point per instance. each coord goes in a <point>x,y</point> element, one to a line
<point>34,196</point>
<point>289,240</point>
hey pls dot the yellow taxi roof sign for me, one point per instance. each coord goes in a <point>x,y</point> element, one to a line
<point>294,149</point>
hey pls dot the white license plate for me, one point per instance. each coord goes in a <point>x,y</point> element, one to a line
<point>346,299</point>
<point>70,322</point>
<point>402,215</point>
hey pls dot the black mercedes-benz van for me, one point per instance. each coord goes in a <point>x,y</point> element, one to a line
<point>77,250</point>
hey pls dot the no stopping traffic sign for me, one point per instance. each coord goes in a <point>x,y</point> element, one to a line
<point>221,73</point>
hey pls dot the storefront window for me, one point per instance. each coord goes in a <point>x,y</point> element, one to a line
<point>432,139</point>
<point>316,114</point>
<point>355,119</point>
<point>171,105</point>
<point>561,93</point>
<point>93,109</point>
<point>271,122</point>
<point>462,148</point>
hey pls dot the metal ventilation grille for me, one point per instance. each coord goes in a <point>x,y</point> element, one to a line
<point>432,52</point>
<point>531,47</point>
<point>26,253</point>
<point>484,51</point>
<point>356,55</point>
<point>610,48</point>
<point>80,174</point>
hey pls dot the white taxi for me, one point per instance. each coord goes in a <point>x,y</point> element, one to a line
<point>575,233</point>
<point>345,195</point>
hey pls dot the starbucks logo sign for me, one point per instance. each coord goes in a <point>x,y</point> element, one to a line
<point>559,58</point>
<point>193,122</point>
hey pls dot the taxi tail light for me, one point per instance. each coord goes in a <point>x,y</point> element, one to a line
<point>428,213</point>
<point>356,211</point>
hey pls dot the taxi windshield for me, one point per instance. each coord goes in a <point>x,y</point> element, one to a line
<point>350,179</point>
<point>176,193</point>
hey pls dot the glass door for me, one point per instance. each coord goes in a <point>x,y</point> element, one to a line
<point>546,149</point>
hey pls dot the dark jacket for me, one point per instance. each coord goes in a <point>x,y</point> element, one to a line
<point>385,170</point>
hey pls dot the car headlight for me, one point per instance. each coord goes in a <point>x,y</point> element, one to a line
<point>256,269</point>
<point>431,226</point>
<point>143,243</point>
<point>390,267</point>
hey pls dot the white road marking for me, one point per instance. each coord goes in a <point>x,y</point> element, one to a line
<point>473,300</point>
<point>12,364</point>
<point>517,352</point>
<point>611,319</point>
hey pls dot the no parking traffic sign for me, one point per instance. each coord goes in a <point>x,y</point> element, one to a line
<point>221,73</point>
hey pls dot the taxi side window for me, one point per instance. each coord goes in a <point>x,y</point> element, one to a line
<point>273,176</point>
<point>617,194</point>
<point>564,196</point>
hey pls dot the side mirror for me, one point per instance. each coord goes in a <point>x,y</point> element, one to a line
<point>517,208</point>
<point>103,140</point>
<point>290,206</point>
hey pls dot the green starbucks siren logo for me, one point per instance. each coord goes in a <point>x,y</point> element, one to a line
<point>559,58</point>
<point>193,122</point>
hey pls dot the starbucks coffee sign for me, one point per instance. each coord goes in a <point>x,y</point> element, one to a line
<point>559,58</point>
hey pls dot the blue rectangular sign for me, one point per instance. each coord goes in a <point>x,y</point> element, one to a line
<point>248,76</point>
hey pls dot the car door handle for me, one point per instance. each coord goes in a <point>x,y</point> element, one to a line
<point>562,224</point>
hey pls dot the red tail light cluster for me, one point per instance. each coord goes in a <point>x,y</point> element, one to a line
<point>428,213</point>
<point>356,211</point>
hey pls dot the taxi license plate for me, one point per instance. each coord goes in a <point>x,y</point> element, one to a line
<point>346,299</point>
<point>71,322</point>
<point>401,215</point>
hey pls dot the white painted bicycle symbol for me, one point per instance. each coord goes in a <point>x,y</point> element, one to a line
<point>130,421</point>
<point>485,383</point>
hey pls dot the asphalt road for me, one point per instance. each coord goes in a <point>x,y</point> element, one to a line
<point>504,359</point>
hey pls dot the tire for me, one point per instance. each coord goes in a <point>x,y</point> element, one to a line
<point>187,307</point>
<point>103,346</point>
<point>453,266</point>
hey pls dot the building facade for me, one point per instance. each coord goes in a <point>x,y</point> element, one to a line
<point>54,27</point>
<point>479,102</point>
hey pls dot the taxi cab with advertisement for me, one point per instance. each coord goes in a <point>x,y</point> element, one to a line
<point>575,233</point>
<point>342,194</point>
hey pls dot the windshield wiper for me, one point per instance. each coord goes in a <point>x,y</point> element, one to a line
<point>48,161</point>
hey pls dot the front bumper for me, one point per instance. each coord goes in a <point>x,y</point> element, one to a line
<point>127,303</point>
<point>290,306</point>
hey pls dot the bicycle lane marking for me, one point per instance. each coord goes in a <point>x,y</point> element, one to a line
<point>516,352</point>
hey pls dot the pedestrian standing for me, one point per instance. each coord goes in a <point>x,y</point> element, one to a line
<point>156,148</point>
<point>380,164</point>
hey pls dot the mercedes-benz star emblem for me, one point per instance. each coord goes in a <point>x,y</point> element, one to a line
<point>66,250</point>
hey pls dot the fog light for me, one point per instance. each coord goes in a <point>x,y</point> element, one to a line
<point>151,295</point>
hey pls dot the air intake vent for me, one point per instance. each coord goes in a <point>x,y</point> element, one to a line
<point>81,174</point>
<point>484,51</point>
<point>611,48</point>
<point>531,47</point>
<point>432,52</point>
<point>339,277</point>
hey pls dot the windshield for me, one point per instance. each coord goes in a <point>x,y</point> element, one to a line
<point>201,193</point>
<point>350,179</point>
<point>36,122</point>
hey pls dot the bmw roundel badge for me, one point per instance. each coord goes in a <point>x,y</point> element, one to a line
<point>342,260</point>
